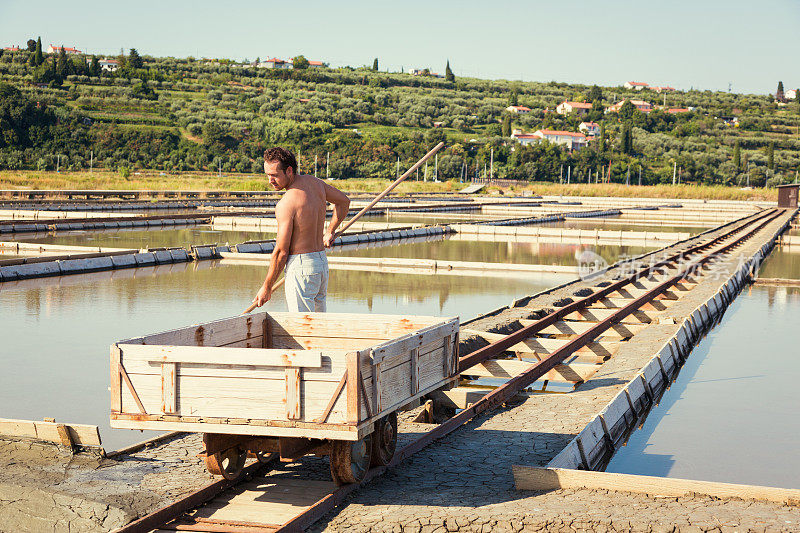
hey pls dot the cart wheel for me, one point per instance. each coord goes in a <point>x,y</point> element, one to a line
<point>228,463</point>
<point>384,440</point>
<point>350,460</point>
<point>263,457</point>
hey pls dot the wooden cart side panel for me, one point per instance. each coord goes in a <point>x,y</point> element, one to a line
<point>401,347</point>
<point>298,342</point>
<point>181,383</point>
<point>261,399</point>
<point>218,333</point>
<point>347,325</point>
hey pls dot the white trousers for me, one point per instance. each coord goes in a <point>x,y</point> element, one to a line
<point>307,282</point>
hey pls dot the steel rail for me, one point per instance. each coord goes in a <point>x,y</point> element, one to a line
<point>495,398</point>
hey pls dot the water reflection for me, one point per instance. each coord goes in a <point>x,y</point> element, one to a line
<point>533,253</point>
<point>140,238</point>
<point>732,413</point>
<point>783,262</point>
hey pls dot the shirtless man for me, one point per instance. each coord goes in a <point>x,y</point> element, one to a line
<point>300,244</point>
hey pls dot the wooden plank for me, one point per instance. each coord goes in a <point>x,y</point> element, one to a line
<point>459,397</point>
<point>353,386</point>
<point>414,370</point>
<point>302,342</point>
<point>537,478</point>
<point>333,366</point>
<point>569,327</point>
<point>169,384</point>
<point>615,303</point>
<point>116,385</point>
<point>348,325</point>
<point>317,431</point>
<point>79,434</point>
<point>598,315</point>
<point>508,368</point>
<point>216,333</point>
<point>223,355</point>
<point>293,378</point>
<point>377,383</point>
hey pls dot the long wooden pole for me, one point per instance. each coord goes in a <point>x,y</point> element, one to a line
<point>358,215</point>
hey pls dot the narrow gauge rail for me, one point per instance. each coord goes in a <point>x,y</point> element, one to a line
<point>638,297</point>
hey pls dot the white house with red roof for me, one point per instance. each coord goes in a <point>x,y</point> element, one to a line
<point>641,105</point>
<point>636,85</point>
<point>579,108</point>
<point>518,109</point>
<point>67,50</point>
<point>590,128</point>
<point>569,139</point>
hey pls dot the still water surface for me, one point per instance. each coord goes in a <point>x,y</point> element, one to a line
<point>731,416</point>
<point>57,331</point>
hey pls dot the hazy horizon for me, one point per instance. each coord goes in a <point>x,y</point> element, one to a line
<point>686,45</point>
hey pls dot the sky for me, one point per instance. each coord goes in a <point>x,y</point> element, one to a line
<point>701,44</point>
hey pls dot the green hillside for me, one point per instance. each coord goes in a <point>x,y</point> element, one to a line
<point>172,115</point>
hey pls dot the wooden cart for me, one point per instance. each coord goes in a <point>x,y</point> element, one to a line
<point>286,383</point>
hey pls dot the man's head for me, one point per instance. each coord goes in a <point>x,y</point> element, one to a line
<point>280,167</point>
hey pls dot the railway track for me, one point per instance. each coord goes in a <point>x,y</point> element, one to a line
<point>568,344</point>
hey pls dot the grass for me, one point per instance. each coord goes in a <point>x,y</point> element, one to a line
<point>155,180</point>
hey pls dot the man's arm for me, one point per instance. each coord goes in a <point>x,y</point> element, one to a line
<point>284,214</point>
<point>341,206</point>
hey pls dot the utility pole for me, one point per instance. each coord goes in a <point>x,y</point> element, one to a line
<point>674,171</point>
<point>58,162</point>
<point>628,175</point>
<point>426,170</point>
<point>436,168</point>
<point>561,174</point>
<point>640,175</point>
<point>91,161</point>
<point>491,165</point>
<point>569,171</point>
<point>328,166</point>
<point>315,165</point>
<point>397,172</point>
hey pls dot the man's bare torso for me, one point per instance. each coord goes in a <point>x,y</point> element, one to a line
<point>305,202</point>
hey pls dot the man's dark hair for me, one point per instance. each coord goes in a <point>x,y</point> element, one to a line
<point>282,156</point>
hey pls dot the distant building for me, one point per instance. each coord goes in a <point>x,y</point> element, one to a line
<point>636,85</point>
<point>666,89</point>
<point>11,48</point>
<point>579,108</point>
<point>572,140</point>
<point>791,94</point>
<point>108,65</point>
<point>518,109</point>
<point>67,50</point>
<point>641,105</point>
<point>274,62</point>
<point>525,138</point>
<point>676,110</point>
<point>590,128</point>
<point>316,64</point>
